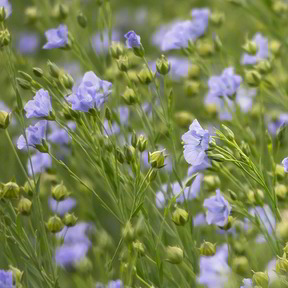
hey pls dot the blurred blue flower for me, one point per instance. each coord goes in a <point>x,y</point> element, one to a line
<point>262,52</point>
<point>91,93</point>
<point>56,38</point>
<point>6,279</point>
<point>214,270</point>
<point>133,40</point>
<point>7,6</point>
<point>28,43</point>
<point>62,207</point>
<point>181,32</point>
<point>218,209</point>
<point>40,162</point>
<point>206,163</point>
<point>102,45</point>
<point>275,124</point>
<point>199,220</point>
<point>285,164</point>
<point>59,135</point>
<point>34,134</point>
<point>115,284</point>
<point>122,113</point>
<point>40,106</point>
<point>247,283</point>
<point>196,142</point>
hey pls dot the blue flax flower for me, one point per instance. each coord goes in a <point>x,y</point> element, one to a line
<point>34,134</point>
<point>275,123</point>
<point>285,164</point>
<point>28,43</point>
<point>56,38</point>
<point>40,106</point>
<point>132,39</point>
<point>91,93</point>
<point>7,7</point>
<point>247,283</point>
<point>62,207</point>
<point>40,163</point>
<point>218,209</point>
<point>196,142</point>
<point>115,284</point>
<point>6,279</point>
<point>262,52</point>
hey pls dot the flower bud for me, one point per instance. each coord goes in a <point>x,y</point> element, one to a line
<point>129,153</point>
<point>192,88</point>
<point>54,70</point>
<point>54,224</point>
<point>145,76</point>
<point>245,148</point>
<point>142,143</point>
<point>261,279</point>
<point>67,81</point>
<point>32,14</point>
<point>116,50</point>
<point>250,47</point>
<point>84,265</point>
<point>157,159</point>
<point>281,191</point>
<point>2,14</point>
<point>183,118</point>
<point>139,247</point>
<point>5,38</point>
<point>282,266</point>
<point>217,18</point>
<point>194,72</point>
<point>128,232</point>
<point>44,148</point>
<point>120,156</point>
<point>216,157</point>
<point>285,249</point>
<point>212,182</point>
<point>10,190</point>
<point>228,133</point>
<point>134,140</point>
<point>163,65</point>
<point>217,42</point>
<point>4,119</point>
<point>174,255</point>
<point>69,219</point>
<point>228,225</point>
<point>275,47</point>
<point>207,249</point>
<point>240,265</point>
<point>129,96</point>
<point>205,47</point>
<point>24,84</point>
<point>264,66</point>
<point>253,77</point>
<point>139,51</point>
<point>24,206</point>
<point>279,171</point>
<point>82,20</point>
<point>123,63</point>
<point>282,230</point>
<point>180,217</point>
<point>38,72</point>
<point>29,187</point>
<point>280,7</point>
<point>60,192</point>
<point>25,76</point>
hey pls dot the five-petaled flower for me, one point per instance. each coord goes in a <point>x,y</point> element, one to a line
<point>56,38</point>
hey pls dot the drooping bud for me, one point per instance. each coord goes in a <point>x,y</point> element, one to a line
<point>60,192</point>
<point>250,47</point>
<point>116,50</point>
<point>180,217</point>
<point>174,255</point>
<point>261,279</point>
<point>129,96</point>
<point>54,70</point>
<point>69,219</point>
<point>192,88</point>
<point>142,143</point>
<point>82,20</point>
<point>10,190</point>
<point>24,206</point>
<point>5,38</point>
<point>253,77</point>
<point>128,232</point>
<point>281,191</point>
<point>123,63</point>
<point>145,76</point>
<point>162,65</point>
<point>157,159</point>
<point>54,224</point>
<point>207,249</point>
<point>4,119</point>
<point>38,72</point>
<point>183,118</point>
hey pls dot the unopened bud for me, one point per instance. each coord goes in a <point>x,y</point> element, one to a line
<point>162,65</point>
<point>174,255</point>
<point>250,47</point>
<point>120,156</point>
<point>281,191</point>
<point>82,20</point>
<point>129,153</point>
<point>192,88</point>
<point>134,139</point>
<point>2,14</point>
<point>54,70</point>
<point>180,217</point>
<point>24,84</point>
<point>54,224</point>
<point>69,219</point>
<point>129,96</point>
<point>261,279</point>
<point>264,66</point>
<point>217,18</point>
<point>60,192</point>
<point>24,206</point>
<point>145,76</point>
<point>183,118</point>
<point>123,63</point>
<point>194,72</point>
<point>10,190</point>
<point>116,50</point>
<point>4,119</point>
<point>205,47</point>
<point>253,78</point>
<point>128,232</point>
<point>207,249</point>
<point>5,38</point>
<point>38,72</point>
<point>228,133</point>
<point>67,81</point>
<point>139,51</point>
<point>157,159</point>
<point>139,247</point>
<point>142,143</point>
<point>240,265</point>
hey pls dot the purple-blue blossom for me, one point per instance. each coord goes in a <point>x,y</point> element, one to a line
<point>59,135</point>
<point>262,52</point>
<point>132,39</point>
<point>218,209</point>
<point>6,277</point>
<point>62,207</point>
<point>275,124</point>
<point>196,142</point>
<point>285,164</point>
<point>28,43</point>
<point>115,284</point>
<point>34,134</point>
<point>91,93</point>
<point>247,283</point>
<point>40,163</point>
<point>7,7</point>
<point>56,38</point>
<point>122,113</point>
<point>40,106</point>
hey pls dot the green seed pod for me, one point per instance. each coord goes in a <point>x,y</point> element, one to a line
<point>38,72</point>
<point>142,143</point>
<point>120,155</point>
<point>116,50</point>
<point>207,249</point>
<point>123,63</point>
<point>281,191</point>
<point>60,192</point>
<point>28,189</point>
<point>194,72</point>
<point>69,219</point>
<point>54,224</point>
<point>217,18</point>
<point>24,84</point>
<point>264,66</point>
<point>275,47</point>
<point>24,206</point>
<point>162,65</point>
<point>10,190</point>
<point>253,78</point>
<point>261,279</point>
<point>82,20</point>
<point>4,119</point>
<point>192,88</point>
<point>145,76</point>
<point>282,266</point>
<point>54,70</point>
<point>250,47</point>
<point>240,265</point>
<point>129,96</point>
<point>157,159</point>
<point>67,81</point>
<point>5,38</point>
<point>180,217</point>
<point>183,118</point>
<point>174,255</point>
